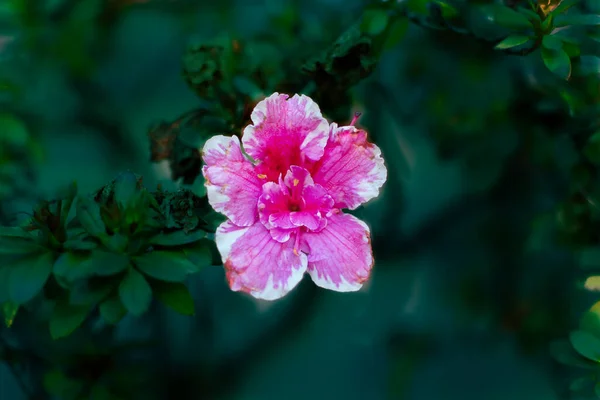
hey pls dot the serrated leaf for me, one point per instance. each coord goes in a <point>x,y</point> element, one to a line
<point>112,310</point>
<point>171,266</point>
<point>66,318</point>
<point>9,312</point>
<point>512,41</point>
<point>558,62</point>
<point>28,276</point>
<point>576,20</point>
<point>374,21</point>
<point>135,293</point>
<point>552,42</point>
<point>88,214</point>
<point>177,238</point>
<point>174,295</point>
<point>586,344</point>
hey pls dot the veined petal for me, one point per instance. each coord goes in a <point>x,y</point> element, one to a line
<point>232,185</point>
<point>340,256</point>
<point>257,264</point>
<point>285,131</point>
<point>352,169</point>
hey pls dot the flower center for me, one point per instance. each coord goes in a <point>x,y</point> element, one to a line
<point>293,205</point>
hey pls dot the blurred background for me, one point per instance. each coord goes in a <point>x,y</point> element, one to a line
<point>468,289</point>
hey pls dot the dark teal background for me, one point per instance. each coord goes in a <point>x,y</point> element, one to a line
<point>465,295</point>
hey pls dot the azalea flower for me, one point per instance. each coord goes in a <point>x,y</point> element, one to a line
<point>283,195</point>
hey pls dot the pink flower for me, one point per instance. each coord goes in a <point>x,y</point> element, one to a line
<point>284,209</point>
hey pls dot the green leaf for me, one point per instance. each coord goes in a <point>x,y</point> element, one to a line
<point>590,321</point>
<point>80,244</point>
<point>125,190</point>
<point>14,131</point>
<point>177,238</point>
<point>66,318</point>
<point>198,187</point>
<point>67,202</point>
<point>88,214</point>
<point>199,254</point>
<point>15,241</point>
<point>563,352</point>
<point>552,42</point>
<point>28,277</point>
<point>112,310</point>
<point>396,32</point>
<point>246,86</point>
<point>576,20</point>
<point>135,293</point>
<point>116,242</point>
<point>100,392</point>
<point>58,384</point>
<point>374,21</point>
<point>71,267</point>
<point>548,24</point>
<point>104,263</point>
<point>171,266</point>
<point>174,295</point>
<point>589,65</point>
<point>9,311</point>
<point>448,10</point>
<point>90,291</point>
<point>597,390</point>
<point>586,344</point>
<point>580,383</point>
<point>564,6</point>
<point>558,62</point>
<point>512,41</point>
<point>506,17</point>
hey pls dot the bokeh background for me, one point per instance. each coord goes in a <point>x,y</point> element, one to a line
<point>468,289</point>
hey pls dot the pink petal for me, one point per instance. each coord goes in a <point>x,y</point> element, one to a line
<point>340,256</point>
<point>232,185</point>
<point>284,132</point>
<point>257,264</point>
<point>352,169</point>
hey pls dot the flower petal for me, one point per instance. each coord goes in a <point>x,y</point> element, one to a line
<point>232,185</point>
<point>257,264</point>
<point>340,256</point>
<point>284,132</point>
<point>352,169</point>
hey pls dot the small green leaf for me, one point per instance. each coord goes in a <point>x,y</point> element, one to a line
<point>548,24</point>
<point>9,311</point>
<point>174,295</point>
<point>104,263</point>
<point>506,17</point>
<point>374,21</point>
<point>198,187</point>
<point>112,310</point>
<point>88,214</point>
<point>135,293</point>
<point>396,32</point>
<point>558,62</point>
<point>28,276</point>
<point>576,20</point>
<point>512,41</point>
<point>563,352</point>
<point>66,318</point>
<point>552,42</point>
<point>177,238</point>
<point>246,86</point>
<point>67,202</point>
<point>171,266</point>
<point>586,344</point>
<point>71,267</point>
<point>125,189</point>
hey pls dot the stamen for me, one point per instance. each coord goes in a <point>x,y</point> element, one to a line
<point>355,118</point>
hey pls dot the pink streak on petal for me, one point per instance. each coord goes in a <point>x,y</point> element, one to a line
<point>257,264</point>
<point>284,132</point>
<point>232,185</point>
<point>340,256</point>
<point>352,169</point>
